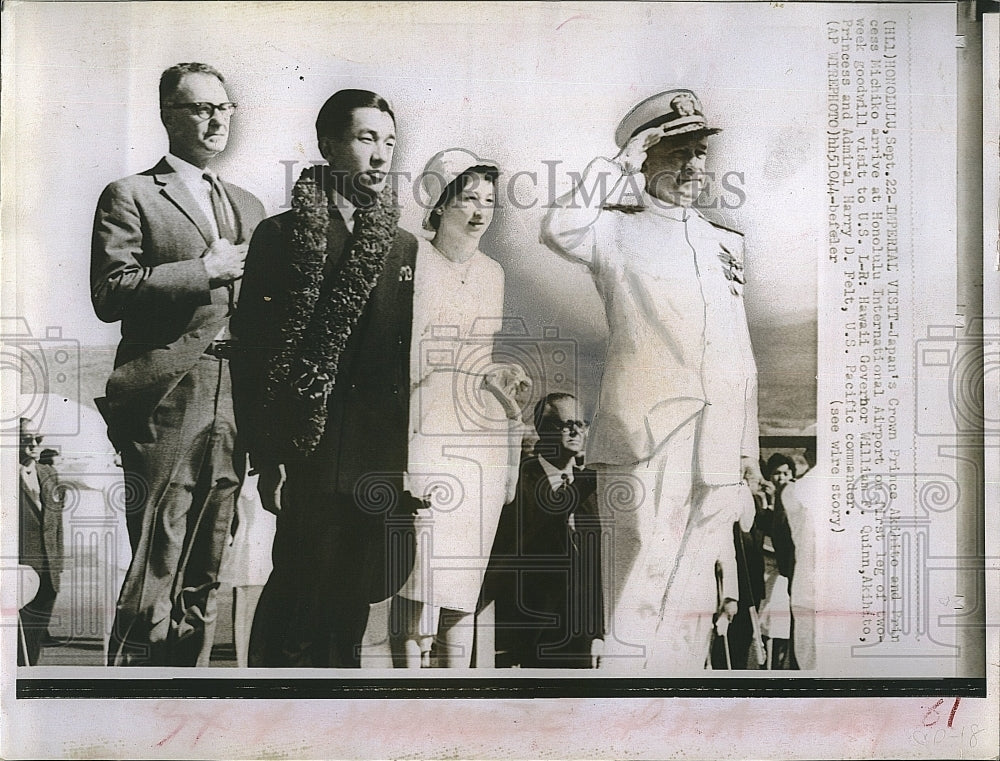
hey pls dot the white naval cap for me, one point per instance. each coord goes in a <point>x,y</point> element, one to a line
<point>679,111</point>
<point>441,171</point>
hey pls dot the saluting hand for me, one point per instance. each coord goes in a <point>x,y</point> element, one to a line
<point>633,155</point>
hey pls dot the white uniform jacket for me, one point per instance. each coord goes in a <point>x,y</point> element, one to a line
<point>672,285</point>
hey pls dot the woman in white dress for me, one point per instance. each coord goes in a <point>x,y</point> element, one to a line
<point>463,450</point>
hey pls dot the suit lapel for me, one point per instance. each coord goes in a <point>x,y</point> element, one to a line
<point>47,483</point>
<point>390,304</point>
<point>177,193</point>
<point>229,190</point>
<point>398,277</point>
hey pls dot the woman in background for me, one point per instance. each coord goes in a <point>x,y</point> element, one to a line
<point>463,453</point>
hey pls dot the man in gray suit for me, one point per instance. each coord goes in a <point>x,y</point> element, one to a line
<point>166,260</point>
<point>40,542</point>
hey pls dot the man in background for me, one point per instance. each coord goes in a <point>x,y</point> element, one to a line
<point>546,560</point>
<point>40,542</point>
<point>166,260</point>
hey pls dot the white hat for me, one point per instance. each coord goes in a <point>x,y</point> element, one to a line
<point>441,171</point>
<point>678,111</point>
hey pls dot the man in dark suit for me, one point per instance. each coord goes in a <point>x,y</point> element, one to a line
<point>546,563</point>
<point>40,541</point>
<point>322,391</point>
<point>167,255</point>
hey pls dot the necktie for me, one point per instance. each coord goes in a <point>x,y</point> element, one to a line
<point>221,209</point>
<point>223,221</point>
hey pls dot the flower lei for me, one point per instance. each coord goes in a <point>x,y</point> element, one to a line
<point>320,321</point>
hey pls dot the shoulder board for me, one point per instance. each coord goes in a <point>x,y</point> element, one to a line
<point>623,208</point>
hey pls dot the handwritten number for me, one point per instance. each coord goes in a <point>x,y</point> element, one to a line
<point>973,740</point>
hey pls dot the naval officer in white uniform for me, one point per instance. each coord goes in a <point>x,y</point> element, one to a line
<point>675,436</point>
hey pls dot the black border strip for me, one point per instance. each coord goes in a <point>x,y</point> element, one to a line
<point>520,688</point>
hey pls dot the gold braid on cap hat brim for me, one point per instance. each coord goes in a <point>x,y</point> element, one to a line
<point>687,129</point>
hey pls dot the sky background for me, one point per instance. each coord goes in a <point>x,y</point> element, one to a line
<point>524,85</point>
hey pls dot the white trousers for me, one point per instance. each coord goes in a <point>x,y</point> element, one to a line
<point>665,531</point>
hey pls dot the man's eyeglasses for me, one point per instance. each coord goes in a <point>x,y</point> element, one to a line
<point>203,111</point>
<point>30,441</point>
<point>565,426</point>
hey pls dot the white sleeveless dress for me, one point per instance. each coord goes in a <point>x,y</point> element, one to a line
<point>460,439</point>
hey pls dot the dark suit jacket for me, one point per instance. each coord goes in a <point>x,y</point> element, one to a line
<point>368,410</point>
<point>556,567</point>
<point>781,538</point>
<point>41,526</point>
<point>147,271</point>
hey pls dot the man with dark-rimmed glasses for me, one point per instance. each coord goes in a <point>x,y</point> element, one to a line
<point>166,261</point>
<point>546,563</point>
